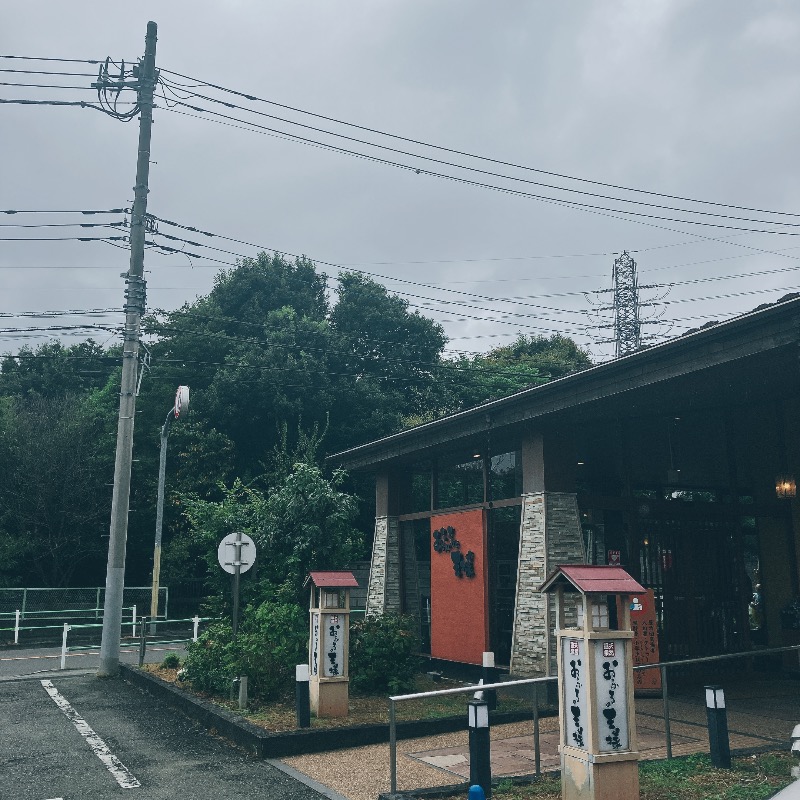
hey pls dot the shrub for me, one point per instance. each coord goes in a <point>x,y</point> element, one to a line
<point>384,653</point>
<point>271,640</point>
<point>171,661</point>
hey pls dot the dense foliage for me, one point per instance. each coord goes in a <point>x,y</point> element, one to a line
<point>270,641</point>
<point>383,653</point>
<point>281,373</point>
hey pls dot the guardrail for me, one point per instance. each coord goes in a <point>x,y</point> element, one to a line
<point>133,642</point>
<point>662,666</point>
<point>60,614</point>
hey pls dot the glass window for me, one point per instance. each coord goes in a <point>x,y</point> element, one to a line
<point>460,483</point>
<point>505,474</point>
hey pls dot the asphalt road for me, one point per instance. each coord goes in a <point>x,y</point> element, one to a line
<point>18,662</point>
<point>77,737</point>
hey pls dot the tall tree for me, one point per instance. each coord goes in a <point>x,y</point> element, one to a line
<point>55,501</point>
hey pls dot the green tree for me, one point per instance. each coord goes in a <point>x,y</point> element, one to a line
<point>55,500</point>
<point>529,361</point>
<point>304,522</point>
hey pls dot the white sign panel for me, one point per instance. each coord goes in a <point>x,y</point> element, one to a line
<point>181,402</point>
<point>333,650</point>
<point>228,548</point>
<point>576,716</point>
<point>610,669</point>
<point>314,644</point>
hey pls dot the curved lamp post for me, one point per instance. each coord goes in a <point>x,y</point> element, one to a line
<point>178,410</point>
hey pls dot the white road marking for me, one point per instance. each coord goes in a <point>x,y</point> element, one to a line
<point>98,746</point>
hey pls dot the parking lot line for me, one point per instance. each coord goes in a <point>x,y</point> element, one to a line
<point>120,772</point>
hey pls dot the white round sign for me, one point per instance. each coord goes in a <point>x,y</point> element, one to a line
<point>233,545</point>
<point>181,401</point>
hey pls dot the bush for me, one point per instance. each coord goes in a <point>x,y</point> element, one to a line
<point>384,653</point>
<point>271,640</point>
<point>171,661</point>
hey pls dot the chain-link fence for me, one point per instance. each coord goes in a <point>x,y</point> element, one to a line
<point>75,603</point>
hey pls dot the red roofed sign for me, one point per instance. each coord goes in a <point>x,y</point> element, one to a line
<point>332,578</point>
<point>588,579</point>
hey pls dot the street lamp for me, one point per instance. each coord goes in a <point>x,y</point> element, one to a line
<point>180,408</point>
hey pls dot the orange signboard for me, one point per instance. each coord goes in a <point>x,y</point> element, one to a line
<point>459,583</point>
<point>645,643</point>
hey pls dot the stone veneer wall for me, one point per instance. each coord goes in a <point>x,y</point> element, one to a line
<point>384,572</point>
<point>550,534</point>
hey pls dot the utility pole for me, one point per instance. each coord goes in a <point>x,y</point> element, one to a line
<point>134,309</point>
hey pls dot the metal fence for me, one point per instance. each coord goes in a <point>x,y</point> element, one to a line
<point>86,601</point>
<point>663,667</point>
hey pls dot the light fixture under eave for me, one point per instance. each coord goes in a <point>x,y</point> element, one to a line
<point>785,486</point>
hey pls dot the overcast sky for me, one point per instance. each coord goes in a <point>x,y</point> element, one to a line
<point>695,98</point>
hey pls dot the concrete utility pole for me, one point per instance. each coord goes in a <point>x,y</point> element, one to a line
<point>134,309</point>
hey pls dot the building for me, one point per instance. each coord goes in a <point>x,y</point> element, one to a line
<point>676,462</point>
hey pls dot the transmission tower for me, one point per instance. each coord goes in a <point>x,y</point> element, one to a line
<point>627,325</point>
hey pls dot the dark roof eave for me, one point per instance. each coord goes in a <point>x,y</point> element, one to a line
<point>635,366</point>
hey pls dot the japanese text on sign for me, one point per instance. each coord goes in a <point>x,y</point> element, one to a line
<point>575,716</point>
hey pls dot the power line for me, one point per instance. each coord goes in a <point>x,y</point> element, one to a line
<point>471,155</point>
<point>63,238</point>
<point>47,58</point>
<point>594,208</point>
<point>46,86</point>
<point>48,72</point>
<point>81,103</point>
<point>66,211</point>
<point>63,225</point>
<point>472,169</point>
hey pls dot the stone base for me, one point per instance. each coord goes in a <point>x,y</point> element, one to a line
<point>584,778</point>
<point>329,698</point>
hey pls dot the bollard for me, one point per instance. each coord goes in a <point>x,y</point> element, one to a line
<point>480,765</point>
<point>64,645</point>
<point>489,675</point>
<point>133,620</point>
<point>142,641</point>
<point>476,793</point>
<point>302,696</point>
<point>717,714</point>
<point>196,624</point>
<point>16,627</point>
<point>243,692</point>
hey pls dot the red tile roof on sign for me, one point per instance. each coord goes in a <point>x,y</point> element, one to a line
<point>333,578</point>
<point>593,580</point>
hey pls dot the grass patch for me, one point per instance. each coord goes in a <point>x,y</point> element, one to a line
<point>754,777</point>
<point>280,715</point>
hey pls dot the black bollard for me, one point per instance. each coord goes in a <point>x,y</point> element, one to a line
<point>718,727</point>
<point>302,697</point>
<point>489,675</point>
<point>480,765</point>
<point>142,640</point>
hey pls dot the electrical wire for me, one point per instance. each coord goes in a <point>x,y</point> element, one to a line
<point>66,211</point>
<point>48,58</point>
<point>574,204</point>
<point>476,170</point>
<point>455,151</point>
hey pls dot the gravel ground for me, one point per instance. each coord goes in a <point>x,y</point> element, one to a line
<point>362,773</point>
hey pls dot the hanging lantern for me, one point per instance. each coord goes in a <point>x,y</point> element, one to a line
<point>785,486</point>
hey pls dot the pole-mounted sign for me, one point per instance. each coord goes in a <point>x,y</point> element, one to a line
<point>236,554</point>
<point>181,401</point>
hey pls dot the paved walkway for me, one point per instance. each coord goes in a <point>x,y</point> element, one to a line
<point>761,713</point>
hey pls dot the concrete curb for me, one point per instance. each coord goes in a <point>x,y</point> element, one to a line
<point>266,744</point>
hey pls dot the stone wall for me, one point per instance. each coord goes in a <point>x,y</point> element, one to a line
<point>550,534</point>
<point>384,572</point>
